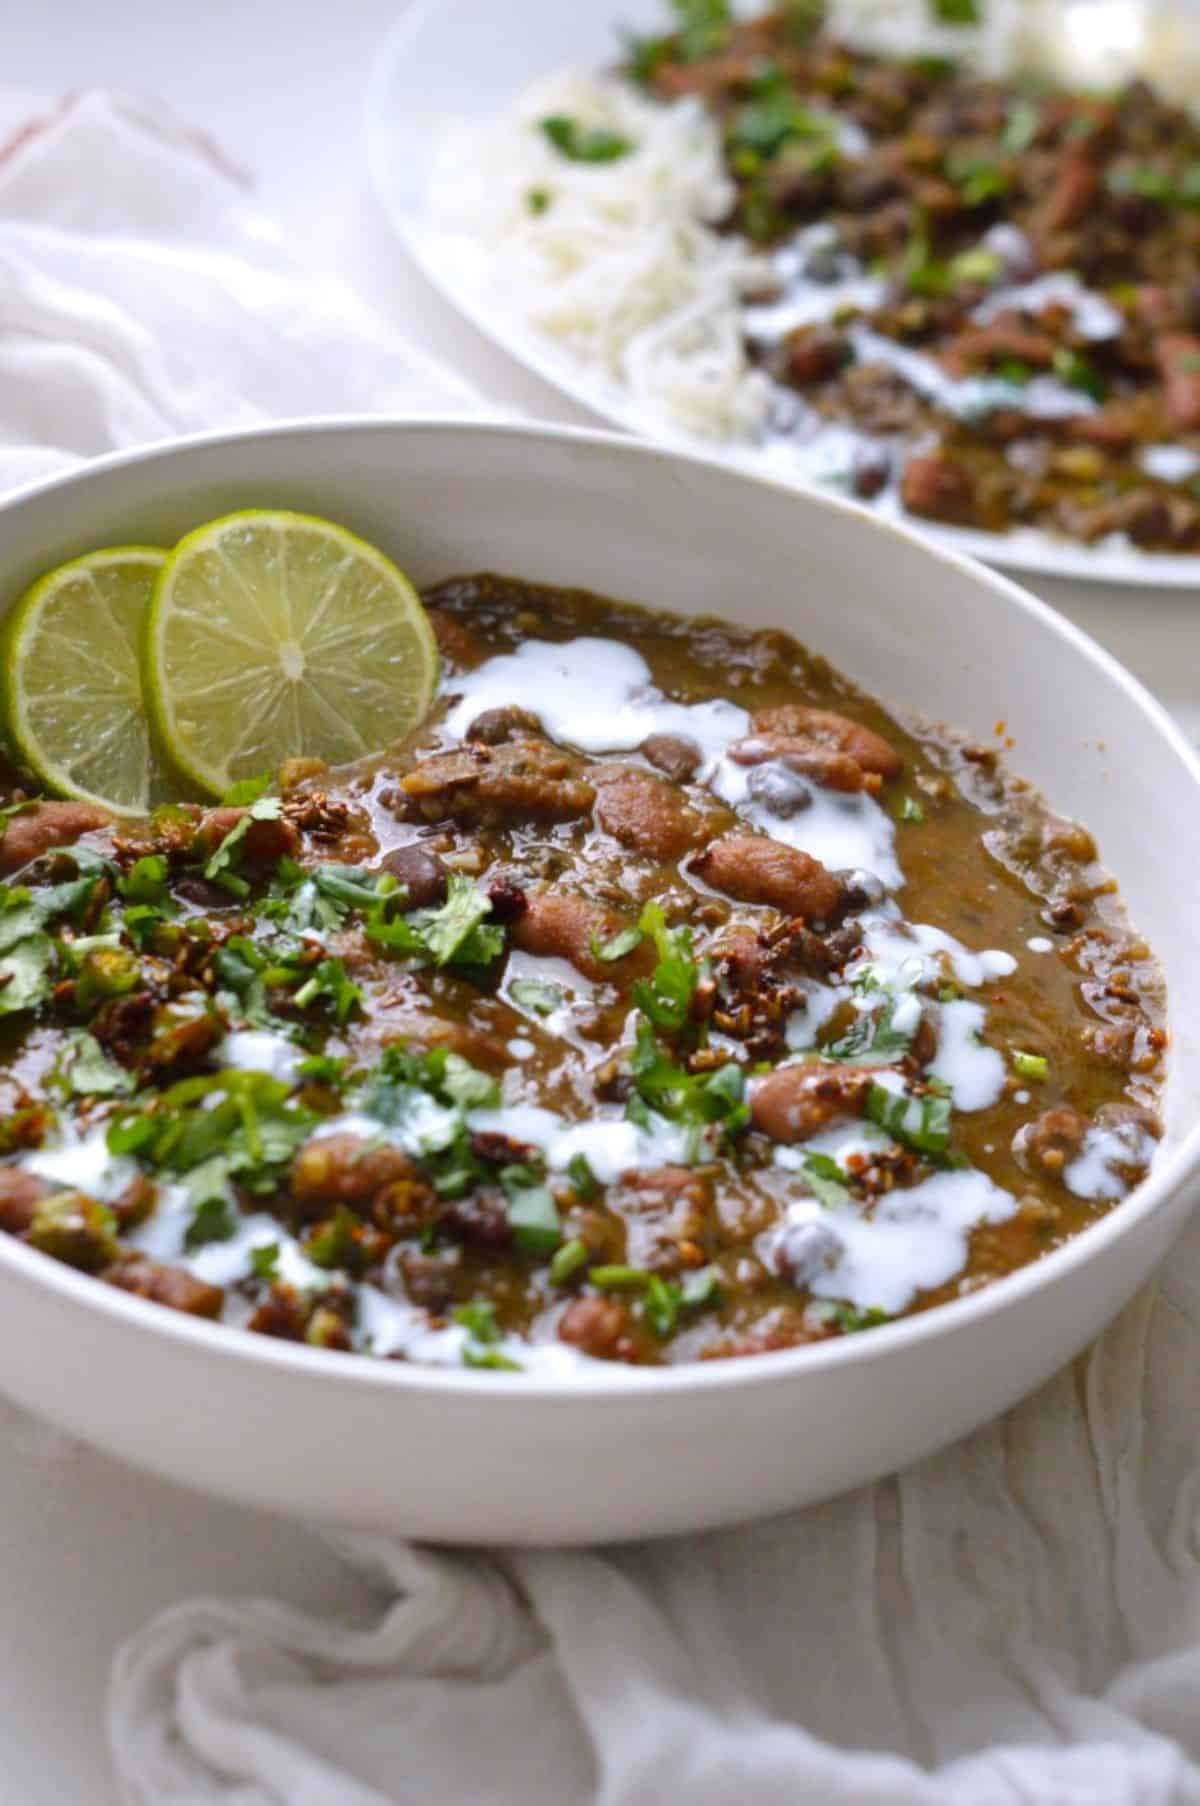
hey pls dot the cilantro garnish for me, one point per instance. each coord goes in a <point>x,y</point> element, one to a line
<point>85,1069</point>
<point>712,1099</point>
<point>956,12</point>
<point>241,1125</point>
<point>479,1320</point>
<point>774,116</point>
<point>826,1180</point>
<point>457,933</point>
<point>850,1321</point>
<point>221,866</point>
<point>922,1123</point>
<point>584,144</point>
<point>336,1241</point>
<point>25,974</point>
<point>662,1299</point>
<point>566,1263</point>
<point>705,26</point>
<point>212,1221</point>
<point>264,1260</point>
<point>583,1180</point>
<point>873,1037</point>
<point>667,997</point>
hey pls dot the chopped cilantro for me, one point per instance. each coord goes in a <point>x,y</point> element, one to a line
<point>921,1123</point>
<point>873,1036</point>
<point>774,116</point>
<point>221,866</point>
<point>826,1180</point>
<point>583,1179</point>
<point>1035,1067</point>
<point>84,1068</point>
<point>717,1098</point>
<point>907,808</point>
<point>583,144</point>
<point>212,1221</point>
<point>25,974</point>
<point>479,1320</point>
<point>241,1125</point>
<point>705,27</point>
<point>537,200</point>
<point>850,1321</point>
<point>956,12</point>
<point>667,997</point>
<point>264,1260</point>
<point>662,1299</point>
<point>330,984</point>
<point>1146,180</point>
<point>1012,370</point>
<point>457,933</point>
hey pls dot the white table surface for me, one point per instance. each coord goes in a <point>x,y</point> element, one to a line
<point>89,1549</point>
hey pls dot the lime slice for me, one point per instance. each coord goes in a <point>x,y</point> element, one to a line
<point>273,636</point>
<point>70,690</point>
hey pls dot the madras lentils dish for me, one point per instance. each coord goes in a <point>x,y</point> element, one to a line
<point>962,298</point>
<point>660,998</point>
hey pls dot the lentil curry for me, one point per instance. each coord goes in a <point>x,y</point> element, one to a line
<point>663,998</point>
<point>983,297</point>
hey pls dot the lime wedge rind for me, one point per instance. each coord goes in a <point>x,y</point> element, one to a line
<point>273,634</point>
<point>70,695</point>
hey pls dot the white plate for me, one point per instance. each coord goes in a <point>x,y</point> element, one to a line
<point>450,64</point>
<point>463,1456</point>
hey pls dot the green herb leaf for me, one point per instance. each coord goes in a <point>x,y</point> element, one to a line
<point>921,1123</point>
<point>455,934</point>
<point>220,866</point>
<point>87,1070</point>
<point>25,974</point>
<point>583,1179</point>
<point>264,1260</point>
<point>581,144</point>
<point>478,1318</point>
<point>212,1221</point>
<point>851,1321</point>
<point>826,1181</point>
<point>330,984</point>
<point>956,12</point>
<point>705,26</point>
<point>537,200</point>
<point>1035,1067</point>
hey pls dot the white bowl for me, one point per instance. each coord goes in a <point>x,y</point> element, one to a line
<point>497,1458</point>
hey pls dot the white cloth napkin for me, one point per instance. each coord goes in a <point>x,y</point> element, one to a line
<point>1013,1623</point>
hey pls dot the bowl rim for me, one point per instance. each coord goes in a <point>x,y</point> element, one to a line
<point>630,1385</point>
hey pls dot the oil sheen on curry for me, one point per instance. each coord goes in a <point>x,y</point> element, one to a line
<point>663,999</point>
